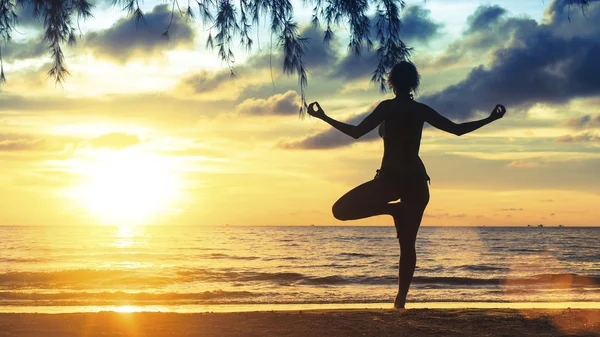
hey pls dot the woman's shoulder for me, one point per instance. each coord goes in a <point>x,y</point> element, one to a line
<point>404,104</point>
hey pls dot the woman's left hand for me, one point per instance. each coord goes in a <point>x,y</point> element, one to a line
<point>498,112</point>
<point>318,113</point>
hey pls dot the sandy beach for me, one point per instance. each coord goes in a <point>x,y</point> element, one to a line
<point>353,322</point>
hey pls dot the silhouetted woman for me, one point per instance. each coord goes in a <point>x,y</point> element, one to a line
<point>402,174</point>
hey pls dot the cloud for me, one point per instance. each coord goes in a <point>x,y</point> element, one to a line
<point>115,140</point>
<point>13,143</point>
<point>522,164</point>
<point>278,104</point>
<point>511,209</point>
<point>255,72</point>
<point>487,28</point>
<point>204,81</point>
<point>124,40</point>
<point>485,18</point>
<point>21,144</point>
<point>538,66</point>
<point>352,67</point>
<point>444,215</point>
<point>25,17</point>
<point>332,138</point>
<point>585,137</point>
<point>417,25</point>
<point>318,54</point>
<point>586,121</point>
<point>17,51</point>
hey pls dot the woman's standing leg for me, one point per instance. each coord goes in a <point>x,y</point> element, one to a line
<point>407,263</point>
<point>407,220</point>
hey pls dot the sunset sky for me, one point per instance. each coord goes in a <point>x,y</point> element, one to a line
<point>148,131</point>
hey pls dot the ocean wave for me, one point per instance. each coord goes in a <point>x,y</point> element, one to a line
<point>356,255</point>
<point>555,281</point>
<point>109,278</point>
<point>126,296</point>
<point>227,256</point>
<point>482,268</point>
<point>80,278</point>
<point>22,259</point>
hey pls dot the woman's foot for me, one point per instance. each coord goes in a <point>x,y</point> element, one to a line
<point>399,302</point>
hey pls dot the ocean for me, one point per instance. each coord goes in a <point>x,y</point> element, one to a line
<point>170,266</point>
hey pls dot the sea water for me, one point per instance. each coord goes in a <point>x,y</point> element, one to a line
<point>183,266</point>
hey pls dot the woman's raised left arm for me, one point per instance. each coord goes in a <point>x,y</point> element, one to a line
<point>355,131</point>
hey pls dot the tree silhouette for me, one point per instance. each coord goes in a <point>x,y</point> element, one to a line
<point>231,20</point>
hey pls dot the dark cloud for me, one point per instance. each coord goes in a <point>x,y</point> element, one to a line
<point>279,104</point>
<point>586,137</point>
<point>586,121</point>
<point>320,58</point>
<point>485,18</point>
<point>352,67</point>
<point>125,40</point>
<point>332,138</point>
<point>417,25</point>
<point>318,53</point>
<point>115,140</point>
<point>539,66</point>
<point>205,81</point>
<point>488,28</point>
<point>25,17</point>
<point>16,51</point>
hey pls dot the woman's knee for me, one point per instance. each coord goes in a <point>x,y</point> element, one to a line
<point>340,212</point>
<point>408,250</point>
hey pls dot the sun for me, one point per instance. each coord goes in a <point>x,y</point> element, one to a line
<point>128,188</point>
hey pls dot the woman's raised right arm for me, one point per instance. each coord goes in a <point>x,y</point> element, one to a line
<point>436,120</point>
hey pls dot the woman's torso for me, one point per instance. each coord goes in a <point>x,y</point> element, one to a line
<point>401,131</point>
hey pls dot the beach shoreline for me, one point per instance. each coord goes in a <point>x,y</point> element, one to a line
<point>283,307</point>
<point>321,322</point>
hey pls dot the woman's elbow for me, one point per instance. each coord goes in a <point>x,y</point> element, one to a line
<point>356,134</point>
<point>459,131</point>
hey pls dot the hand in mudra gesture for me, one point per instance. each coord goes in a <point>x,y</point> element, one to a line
<point>318,113</point>
<point>498,112</point>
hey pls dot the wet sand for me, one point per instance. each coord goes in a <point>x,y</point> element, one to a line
<point>343,322</point>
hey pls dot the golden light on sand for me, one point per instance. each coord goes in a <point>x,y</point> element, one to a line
<point>127,187</point>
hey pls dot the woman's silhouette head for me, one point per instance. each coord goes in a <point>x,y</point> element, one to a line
<point>404,78</point>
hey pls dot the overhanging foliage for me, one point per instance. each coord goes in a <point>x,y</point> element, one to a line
<point>232,21</point>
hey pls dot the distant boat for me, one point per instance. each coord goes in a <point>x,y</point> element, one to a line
<point>540,225</point>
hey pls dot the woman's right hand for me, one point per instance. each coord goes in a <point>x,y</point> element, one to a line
<point>318,113</point>
<point>498,112</point>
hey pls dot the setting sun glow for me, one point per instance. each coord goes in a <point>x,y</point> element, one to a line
<point>127,188</point>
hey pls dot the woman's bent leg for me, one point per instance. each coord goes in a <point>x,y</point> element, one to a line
<point>366,200</point>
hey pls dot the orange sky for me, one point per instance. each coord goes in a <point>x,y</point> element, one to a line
<point>148,132</point>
